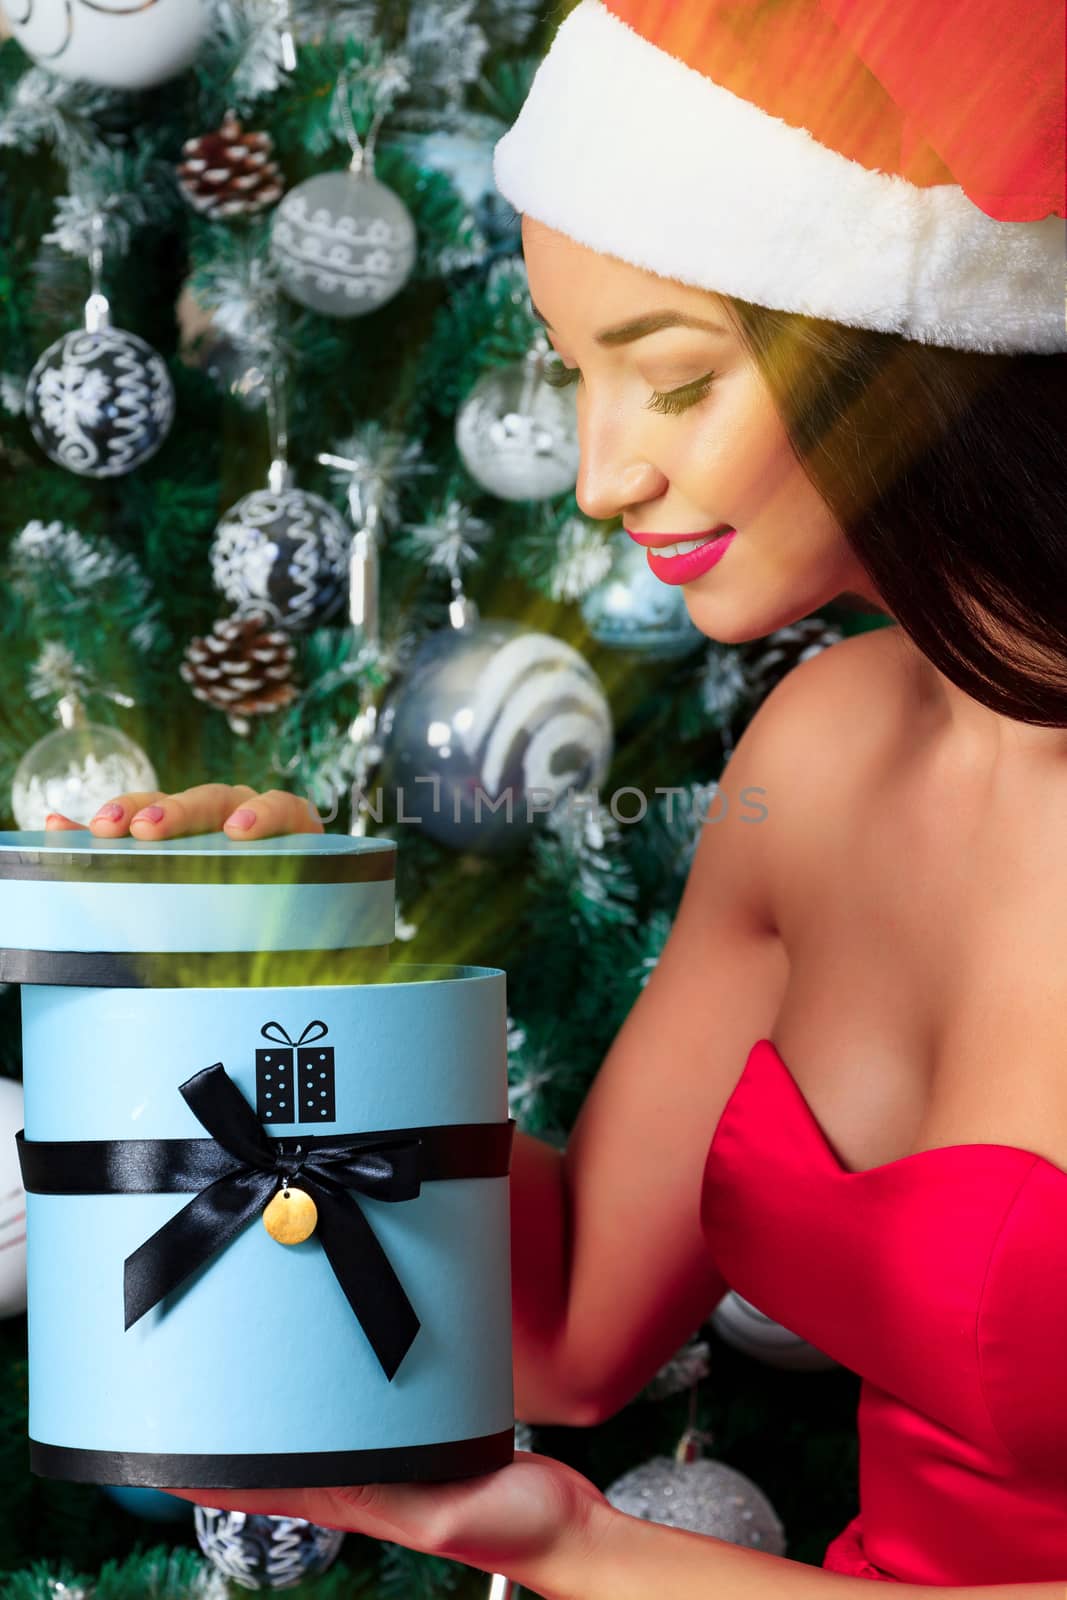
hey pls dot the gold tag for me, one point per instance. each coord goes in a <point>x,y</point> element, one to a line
<point>291,1216</point>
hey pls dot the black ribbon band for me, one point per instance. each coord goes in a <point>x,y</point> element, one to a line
<point>238,1170</point>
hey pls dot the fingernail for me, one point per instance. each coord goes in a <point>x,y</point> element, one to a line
<point>240,819</point>
<point>149,814</point>
<point>109,813</point>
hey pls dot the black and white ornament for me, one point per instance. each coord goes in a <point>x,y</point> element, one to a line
<point>497,722</point>
<point>112,43</point>
<point>631,609</point>
<point>100,402</point>
<point>262,1552</point>
<point>282,551</point>
<point>741,1324</point>
<point>518,435</point>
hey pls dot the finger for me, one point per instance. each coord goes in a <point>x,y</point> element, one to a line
<point>197,810</point>
<point>262,816</point>
<point>56,822</point>
<point>113,818</point>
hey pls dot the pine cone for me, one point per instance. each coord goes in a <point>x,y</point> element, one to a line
<point>766,661</point>
<point>230,173</point>
<point>241,668</point>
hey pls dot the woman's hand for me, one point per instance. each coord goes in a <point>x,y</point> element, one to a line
<point>233,808</point>
<point>535,1521</point>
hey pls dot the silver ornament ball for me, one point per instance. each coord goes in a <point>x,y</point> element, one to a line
<point>702,1496</point>
<point>632,609</point>
<point>263,1552</point>
<point>517,435</point>
<point>498,721</point>
<point>100,403</point>
<point>283,552</point>
<point>344,243</point>
<point>74,771</point>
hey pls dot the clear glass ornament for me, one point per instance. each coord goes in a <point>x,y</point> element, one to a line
<point>631,609</point>
<point>517,435</point>
<point>110,42</point>
<point>100,402</point>
<point>262,1552</point>
<point>75,770</point>
<point>344,243</point>
<point>498,722</point>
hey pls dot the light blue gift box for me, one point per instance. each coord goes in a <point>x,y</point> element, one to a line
<point>173,993</point>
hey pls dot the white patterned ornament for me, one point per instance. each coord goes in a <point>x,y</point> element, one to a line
<point>100,402</point>
<point>263,1552</point>
<point>282,551</point>
<point>344,243</point>
<point>742,1325</point>
<point>517,435</point>
<point>74,771</point>
<point>118,44</point>
<point>497,722</point>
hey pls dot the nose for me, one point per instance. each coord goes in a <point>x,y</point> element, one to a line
<point>613,475</point>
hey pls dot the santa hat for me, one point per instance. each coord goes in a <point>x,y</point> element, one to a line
<point>889,164</point>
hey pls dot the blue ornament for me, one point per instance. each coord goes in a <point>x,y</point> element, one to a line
<point>631,609</point>
<point>155,1505</point>
<point>257,1552</point>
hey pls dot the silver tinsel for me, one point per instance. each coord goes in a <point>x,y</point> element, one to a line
<point>703,1496</point>
<point>450,542</point>
<point>44,108</point>
<point>683,1371</point>
<point>583,557</point>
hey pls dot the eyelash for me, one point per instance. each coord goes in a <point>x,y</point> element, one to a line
<point>674,401</point>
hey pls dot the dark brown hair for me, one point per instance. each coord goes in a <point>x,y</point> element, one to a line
<point>947,470</point>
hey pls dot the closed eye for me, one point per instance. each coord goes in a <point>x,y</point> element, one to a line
<point>673,401</point>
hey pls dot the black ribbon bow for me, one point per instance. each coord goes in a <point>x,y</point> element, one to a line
<point>385,1169</point>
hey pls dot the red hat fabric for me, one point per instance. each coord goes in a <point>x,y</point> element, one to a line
<point>894,164</point>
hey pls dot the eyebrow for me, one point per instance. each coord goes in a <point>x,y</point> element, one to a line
<point>627,332</point>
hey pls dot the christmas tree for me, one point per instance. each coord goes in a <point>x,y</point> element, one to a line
<point>333,500</point>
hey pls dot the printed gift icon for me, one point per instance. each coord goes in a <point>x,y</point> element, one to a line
<point>295,1077</point>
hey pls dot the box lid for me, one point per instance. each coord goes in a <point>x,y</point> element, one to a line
<point>71,894</point>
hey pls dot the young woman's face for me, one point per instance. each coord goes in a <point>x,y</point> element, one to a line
<point>723,459</point>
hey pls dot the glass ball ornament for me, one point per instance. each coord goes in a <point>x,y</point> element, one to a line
<point>702,1496</point>
<point>344,243</point>
<point>517,435</point>
<point>262,1552</point>
<point>74,771</point>
<point>283,552</point>
<point>100,403</point>
<point>111,43</point>
<point>631,609</point>
<point>743,1326</point>
<point>498,722</point>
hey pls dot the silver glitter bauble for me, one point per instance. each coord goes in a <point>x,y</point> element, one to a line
<point>344,243</point>
<point>740,1324</point>
<point>260,1552</point>
<point>702,1496</point>
<point>517,435</point>
<point>283,552</point>
<point>632,609</point>
<point>100,403</point>
<point>74,771</point>
<point>110,42</point>
<point>498,722</point>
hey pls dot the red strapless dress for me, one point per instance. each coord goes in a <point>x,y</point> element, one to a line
<point>941,1279</point>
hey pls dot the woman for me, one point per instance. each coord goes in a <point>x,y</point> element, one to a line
<point>826,1096</point>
